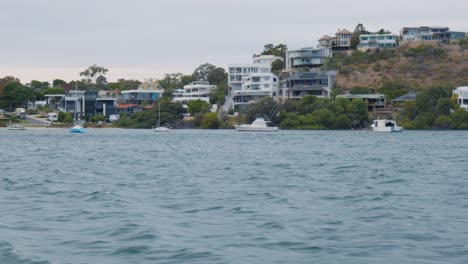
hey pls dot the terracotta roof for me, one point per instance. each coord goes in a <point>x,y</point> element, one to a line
<point>148,107</point>
<point>326,37</point>
<point>126,106</point>
<point>344,31</point>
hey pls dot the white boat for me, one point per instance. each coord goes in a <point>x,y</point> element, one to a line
<point>259,125</point>
<point>16,127</point>
<point>386,125</point>
<point>77,129</point>
<point>159,128</point>
<point>12,126</point>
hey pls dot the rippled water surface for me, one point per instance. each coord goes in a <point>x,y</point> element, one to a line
<point>197,196</point>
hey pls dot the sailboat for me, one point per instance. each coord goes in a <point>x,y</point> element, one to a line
<point>15,126</point>
<point>159,128</point>
<point>77,128</point>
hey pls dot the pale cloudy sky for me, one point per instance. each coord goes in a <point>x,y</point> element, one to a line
<point>142,39</point>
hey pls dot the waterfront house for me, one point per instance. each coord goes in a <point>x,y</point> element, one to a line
<point>249,82</point>
<point>301,83</point>
<point>378,41</point>
<point>424,33</point>
<point>461,94</point>
<point>341,40</point>
<point>128,109</point>
<point>374,101</point>
<point>307,57</point>
<point>147,93</point>
<point>410,96</point>
<point>199,90</point>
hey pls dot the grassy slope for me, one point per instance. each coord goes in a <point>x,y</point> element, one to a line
<point>415,68</point>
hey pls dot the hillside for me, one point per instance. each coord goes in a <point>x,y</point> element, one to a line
<point>404,68</point>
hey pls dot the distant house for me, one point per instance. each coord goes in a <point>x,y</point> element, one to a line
<point>374,101</point>
<point>128,108</point>
<point>144,94</point>
<point>307,57</point>
<point>378,41</point>
<point>411,96</point>
<point>430,34</point>
<point>249,82</point>
<point>325,41</point>
<point>462,96</point>
<point>199,90</point>
<point>299,84</point>
<point>424,33</point>
<point>341,40</point>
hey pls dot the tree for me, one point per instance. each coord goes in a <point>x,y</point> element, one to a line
<point>54,90</point>
<point>278,50</point>
<point>59,83</point>
<point>443,106</point>
<point>358,31</point>
<point>202,72</point>
<point>217,76</point>
<point>443,122</point>
<point>262,107</point>
<point>17,95</point>
<point>277,66</point>
<point>93,72</point>
<point>306,104</point>
<point>358,112</point>
<point>198,106</point>
<point>38,85</point>
<point>211,121</point>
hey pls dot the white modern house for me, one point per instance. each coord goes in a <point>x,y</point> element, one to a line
<point>199,90</point>
<point>412,34</point>
<point>462,96</point>
<point>378,41</point>
<point>145,93</point>
<point>249,82</point>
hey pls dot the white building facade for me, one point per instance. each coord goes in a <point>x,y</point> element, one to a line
<point>250,82</point>
<point>378,41</point>
<point>199,90</point>
<point>462,96</point>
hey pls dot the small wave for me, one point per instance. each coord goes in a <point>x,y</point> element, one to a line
<point>131,250</point>
<point>9,255</point>
<point>204,210</point>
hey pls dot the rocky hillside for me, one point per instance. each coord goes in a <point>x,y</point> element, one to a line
<point>406,67</point>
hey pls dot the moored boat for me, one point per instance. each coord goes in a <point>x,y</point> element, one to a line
<point>259,125</point>
<point>386,125</point>
<point>77,129</point>
<point>16,127</point>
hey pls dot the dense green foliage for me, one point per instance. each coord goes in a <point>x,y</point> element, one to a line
<point>311,112</point>
<point>198,106</point>
<point>433,109</point>
<point>171,115</point>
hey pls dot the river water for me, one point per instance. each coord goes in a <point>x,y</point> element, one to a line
<point>201,196</point>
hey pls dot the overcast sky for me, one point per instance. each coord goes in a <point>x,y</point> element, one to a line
<point>142,39</point>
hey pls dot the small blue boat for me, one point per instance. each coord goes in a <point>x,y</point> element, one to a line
<point>77,129</point>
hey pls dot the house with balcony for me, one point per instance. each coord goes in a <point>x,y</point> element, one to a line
<point>142,95</point>
<point>378,41</point>
<point>249,82</point>
<point>461,93</point>
<point>341,40</point>
<point>307,57</point>
<point>299,84</point>
<point>374,101</point>
<point>420,34</point>
<point>199,90</point>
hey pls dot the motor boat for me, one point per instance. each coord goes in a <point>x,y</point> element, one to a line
<point>77,129</point>
<point>259,125</point>
<point>386,125</point>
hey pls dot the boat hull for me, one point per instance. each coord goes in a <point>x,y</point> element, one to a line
<point>256,129</point>
<point>162,129</point>
<point>77,129</point>
<point>16,128</point>
<point>387,129</point>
